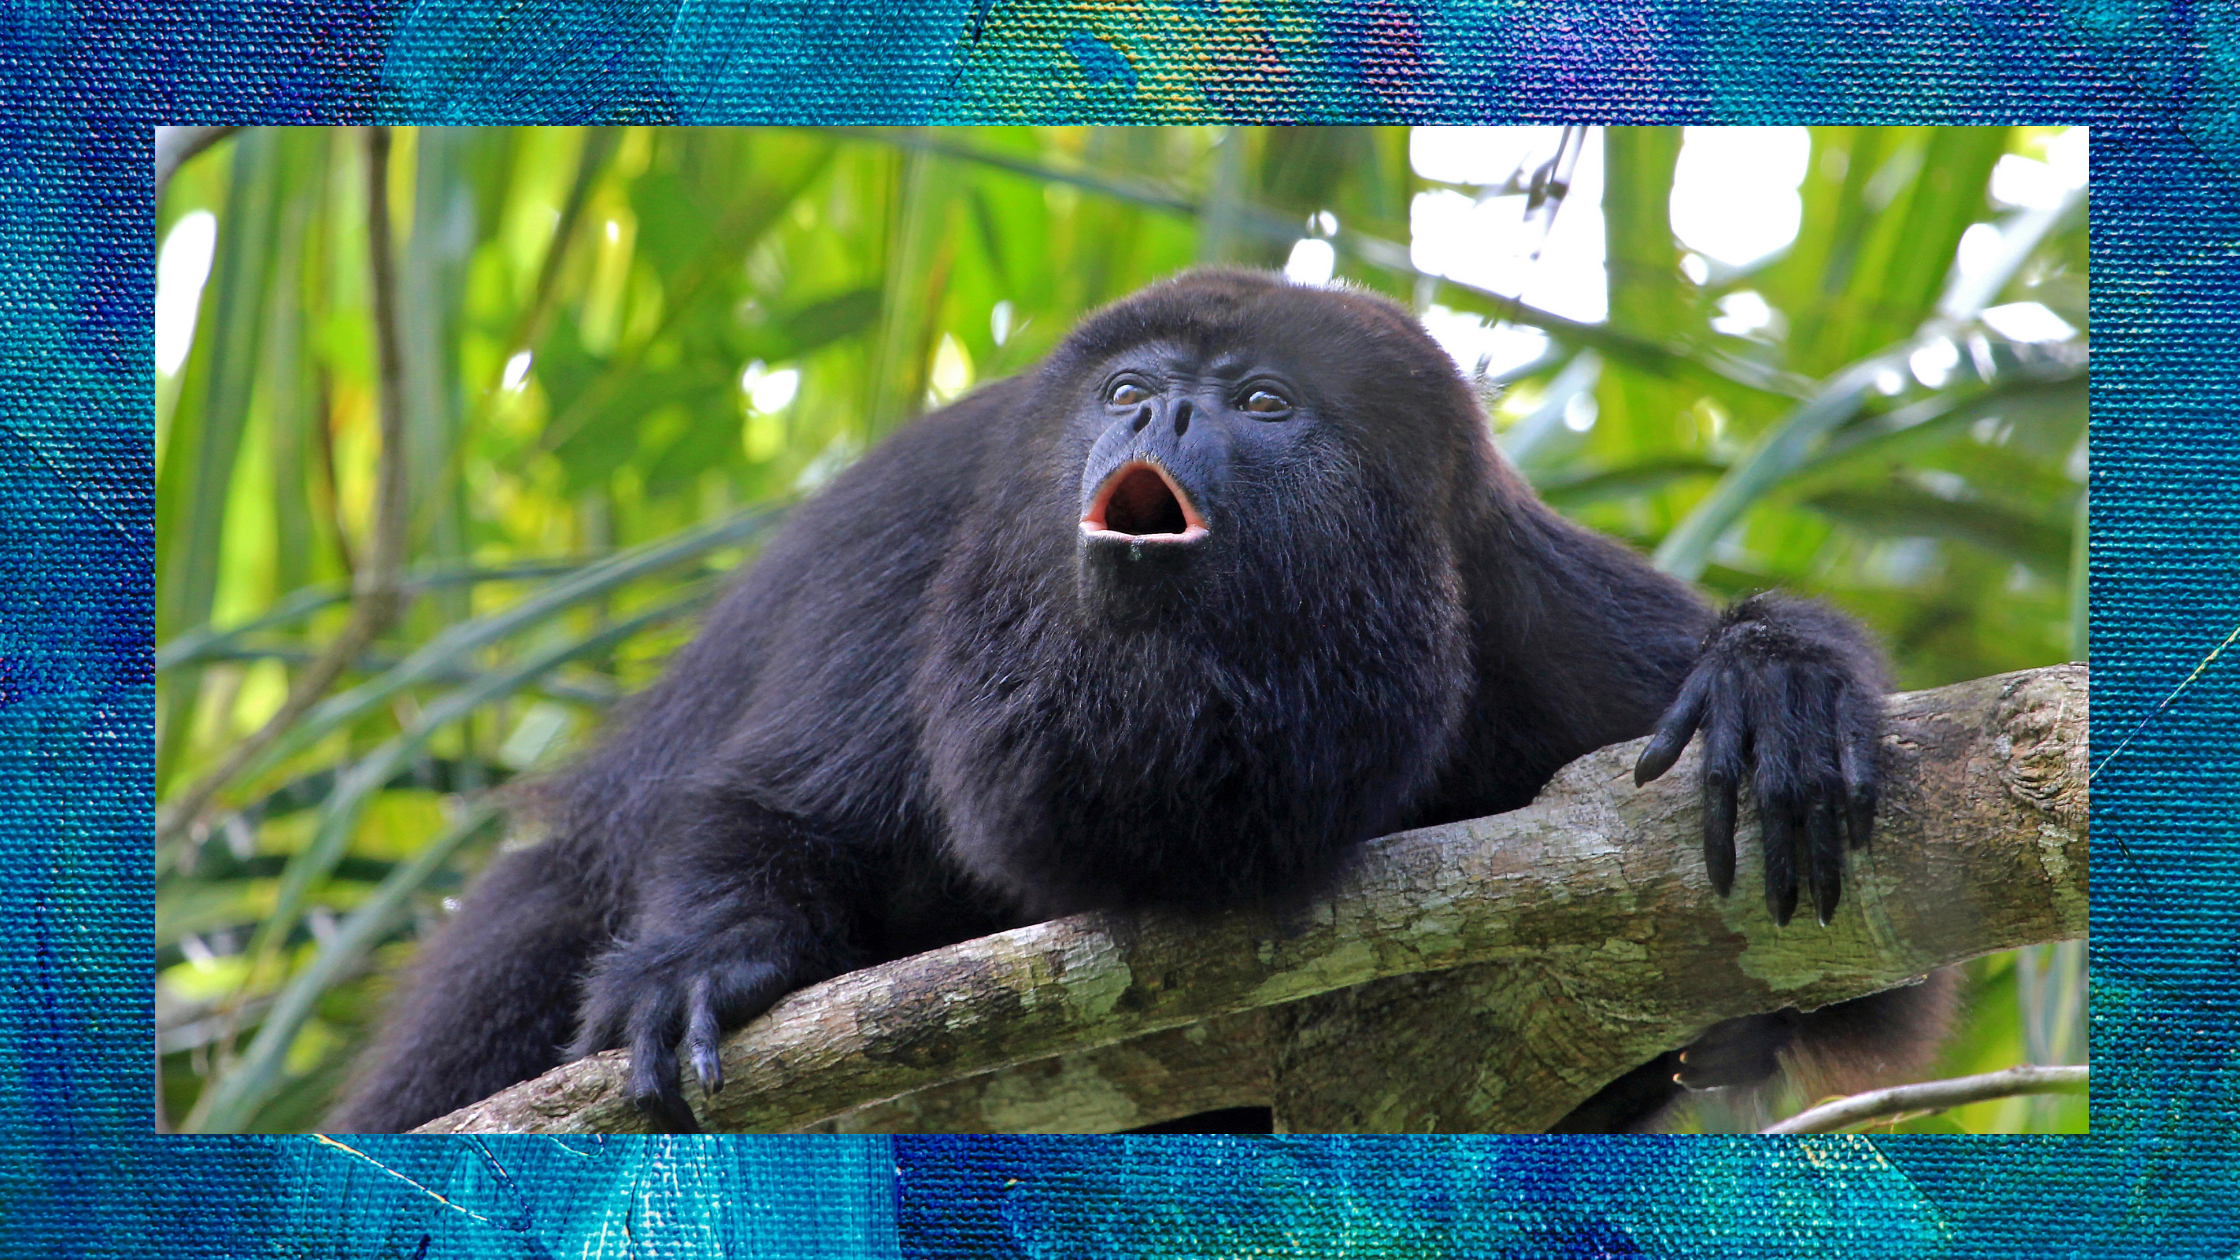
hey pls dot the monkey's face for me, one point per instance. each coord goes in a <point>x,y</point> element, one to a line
<point>1188,454</point>
<point>1229,448</point>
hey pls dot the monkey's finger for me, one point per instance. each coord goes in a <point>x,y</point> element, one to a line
<point>702,1033</point>
<point>1718,831</point>
<point>1722,779</point>
<point>662,1105</point>
<point>1779,697</point>
<point>1859,817</point>
<point>1824,849</point>
<point>1778,825</point>
<point>1675,728</point>
<point>652,1083</point>
<point>1855,758</point>
<point>1819,752</point>
<point>666,1112</point>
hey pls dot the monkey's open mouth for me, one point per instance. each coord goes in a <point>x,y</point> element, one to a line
<point>1140,501</point>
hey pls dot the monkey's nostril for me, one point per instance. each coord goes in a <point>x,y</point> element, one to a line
<point>1181,418</point>
<point>1143,417</point>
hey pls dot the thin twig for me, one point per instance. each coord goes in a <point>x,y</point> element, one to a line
<point>378,595</point>
<point>528,328</point>
<point>1935,1096</point>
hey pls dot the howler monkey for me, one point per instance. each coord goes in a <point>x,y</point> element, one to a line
<point>1230,583</point>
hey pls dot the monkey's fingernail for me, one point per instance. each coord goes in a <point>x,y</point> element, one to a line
<point>710,1070</point>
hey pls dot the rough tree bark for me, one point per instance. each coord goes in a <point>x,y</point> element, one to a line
<point>1480,976</point>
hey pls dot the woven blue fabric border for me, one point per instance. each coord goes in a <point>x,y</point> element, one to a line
<point>2158,79</point>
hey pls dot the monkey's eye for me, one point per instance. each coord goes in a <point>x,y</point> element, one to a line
<point>1266,402</point>
<point>1128,394</point>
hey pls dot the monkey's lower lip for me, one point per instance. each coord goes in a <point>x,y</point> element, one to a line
<point>1140,502</point>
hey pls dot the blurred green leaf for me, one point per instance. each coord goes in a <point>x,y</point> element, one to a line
<point>257,1076</point>
<point>1777,453</point>
<point>360,781</point>
<point>1633,480</point>
<point>194,487</point>
<point>453,648</point>
<point>1905,511</point>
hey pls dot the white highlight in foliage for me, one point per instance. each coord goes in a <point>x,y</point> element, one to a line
<point>181,270</point>
<point>1478,155</point>
<point>1734,192</point>
<point>776,391</point>
<point>769,391</point>
<point>1933,363</point>
<point>1743,313</point>
<point>1469,340</point>
<point>517,371</point>
<point>2027,321</point>
<point>2021,181</point>
<point>2040,185</point>
<point>1311,262</point>
<point>1487,243</point>
<point>2070,155</point>
<point>1981,247</point>
<point>952,370</point>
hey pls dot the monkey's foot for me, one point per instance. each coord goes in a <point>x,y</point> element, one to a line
<point>656,996</point>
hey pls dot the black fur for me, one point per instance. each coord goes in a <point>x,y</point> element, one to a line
<point>944,701</point>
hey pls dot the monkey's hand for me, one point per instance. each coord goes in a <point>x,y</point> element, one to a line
<point>1788,697</point>
<point>682,989</point>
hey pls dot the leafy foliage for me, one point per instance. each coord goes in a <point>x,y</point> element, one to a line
<point>624,351</point>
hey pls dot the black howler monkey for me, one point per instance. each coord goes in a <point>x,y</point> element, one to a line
<point>1230,583</point>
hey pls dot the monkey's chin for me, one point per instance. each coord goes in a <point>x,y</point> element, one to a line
<point>1134,581</point>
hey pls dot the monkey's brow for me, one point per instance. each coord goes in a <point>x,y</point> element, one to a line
<point>1230,364</point>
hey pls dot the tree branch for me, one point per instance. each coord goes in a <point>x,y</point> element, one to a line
<point>1931,1096</point>
<point>1589,910</point>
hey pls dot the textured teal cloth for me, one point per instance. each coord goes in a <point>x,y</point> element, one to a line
<point>2157,79</point>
